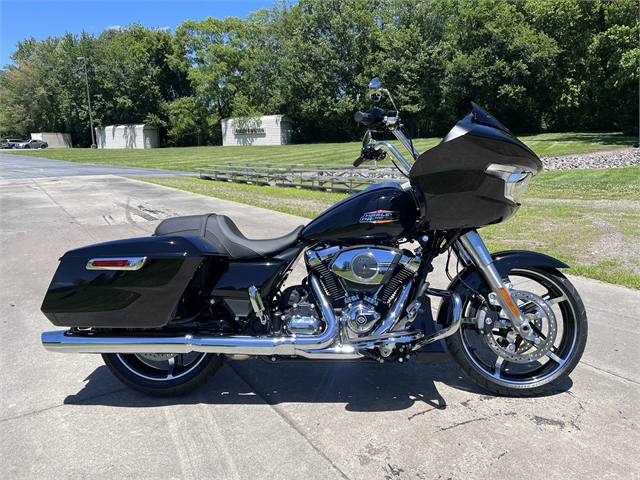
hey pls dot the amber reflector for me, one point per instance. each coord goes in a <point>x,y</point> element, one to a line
<point>512,305</point>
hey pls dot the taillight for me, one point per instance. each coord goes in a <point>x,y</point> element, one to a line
<point>130,263</point>
<point>110,263</point>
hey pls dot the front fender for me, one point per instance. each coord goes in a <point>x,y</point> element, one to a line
<point>470,279</point>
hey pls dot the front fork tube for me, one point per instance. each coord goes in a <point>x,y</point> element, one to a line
<point>472,246</point>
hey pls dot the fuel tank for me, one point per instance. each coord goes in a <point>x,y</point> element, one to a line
<point>381,213</point>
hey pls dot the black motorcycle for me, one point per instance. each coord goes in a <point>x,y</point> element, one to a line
<point>166,311</point>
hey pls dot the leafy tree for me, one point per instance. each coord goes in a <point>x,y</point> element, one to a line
<point>212,52</point>
<point>594,84</point>
<point>535,64</point>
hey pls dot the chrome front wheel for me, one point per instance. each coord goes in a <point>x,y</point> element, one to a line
<point>489,350</point>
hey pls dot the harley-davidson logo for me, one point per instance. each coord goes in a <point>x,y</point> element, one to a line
<point>380,216</point>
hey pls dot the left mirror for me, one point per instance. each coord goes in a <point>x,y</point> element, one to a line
<point>367,139</point>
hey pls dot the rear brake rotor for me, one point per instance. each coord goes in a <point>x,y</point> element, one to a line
<point>157,357</point>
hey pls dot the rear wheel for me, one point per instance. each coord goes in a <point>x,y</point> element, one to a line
<point>164,375</point>
<point>492,354</point>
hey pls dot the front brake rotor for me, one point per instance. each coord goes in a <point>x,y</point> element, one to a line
<point>541,318</point>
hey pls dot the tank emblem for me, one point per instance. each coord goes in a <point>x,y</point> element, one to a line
<point>380,216</point>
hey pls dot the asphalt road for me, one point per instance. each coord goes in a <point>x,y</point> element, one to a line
<point>66,416</point>
<point>13,166</point>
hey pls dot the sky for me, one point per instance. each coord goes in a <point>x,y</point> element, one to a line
<point>41,19</point>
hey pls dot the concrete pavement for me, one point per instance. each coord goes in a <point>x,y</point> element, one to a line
<point>66,416</point>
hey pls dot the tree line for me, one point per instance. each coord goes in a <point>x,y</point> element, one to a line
<point>537,65</point>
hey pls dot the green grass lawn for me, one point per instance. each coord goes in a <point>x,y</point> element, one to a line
<point>589,219</point>
<point>188,159</point>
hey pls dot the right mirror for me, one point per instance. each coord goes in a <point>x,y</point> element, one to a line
<point>375,83</point>
<point>374,89</point>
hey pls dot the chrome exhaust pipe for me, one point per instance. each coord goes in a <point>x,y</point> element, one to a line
<point>303,345</point>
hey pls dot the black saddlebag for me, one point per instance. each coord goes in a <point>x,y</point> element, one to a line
<point>132,283</point>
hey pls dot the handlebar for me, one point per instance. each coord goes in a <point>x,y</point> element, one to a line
<point>377,120</point>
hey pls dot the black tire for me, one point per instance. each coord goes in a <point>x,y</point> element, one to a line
<point>43,146</point>
<point>27,146</point>
<point>484,357</point>
<point>163,375</point>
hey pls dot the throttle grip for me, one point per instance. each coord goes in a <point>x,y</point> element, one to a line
<point>370,117</point>
<point>358,161</point>
<point>365,118</point>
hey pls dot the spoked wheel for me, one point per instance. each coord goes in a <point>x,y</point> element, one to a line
<point>493,355</point>
<point>164,375</point>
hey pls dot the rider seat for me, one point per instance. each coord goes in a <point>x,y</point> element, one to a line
<point>225,237</point>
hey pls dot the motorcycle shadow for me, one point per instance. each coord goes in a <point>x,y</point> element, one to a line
<point>361,387</point>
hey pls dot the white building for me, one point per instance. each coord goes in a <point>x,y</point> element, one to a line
<point>54,140</point>
<point>127,136</point>
<point>267,130</point>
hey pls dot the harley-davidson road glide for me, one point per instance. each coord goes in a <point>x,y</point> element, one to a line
<point>167,311</point>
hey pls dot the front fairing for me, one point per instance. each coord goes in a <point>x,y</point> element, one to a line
<point>466,178</point>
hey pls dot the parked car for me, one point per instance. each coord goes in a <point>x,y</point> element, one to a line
<point>32,144</point>
<point>10,142</point>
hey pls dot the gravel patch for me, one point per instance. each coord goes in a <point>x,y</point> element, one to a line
<point>609,159</point>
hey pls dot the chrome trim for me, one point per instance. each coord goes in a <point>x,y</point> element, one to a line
<point>363,312</point>
<point>406,143</point>
<point>394,151</point>
<point>412,263</point>
<point>343,264</point>
<point>338,352</point>
<point>393,316</point>
<point>314,257</point>
<point>298,325</point>
<point>474,247</point>
<point>133,263</point>
<point>377,342</point>
<point>516,179</point>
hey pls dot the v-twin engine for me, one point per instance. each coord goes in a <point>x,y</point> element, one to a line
<point>363,282</point>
